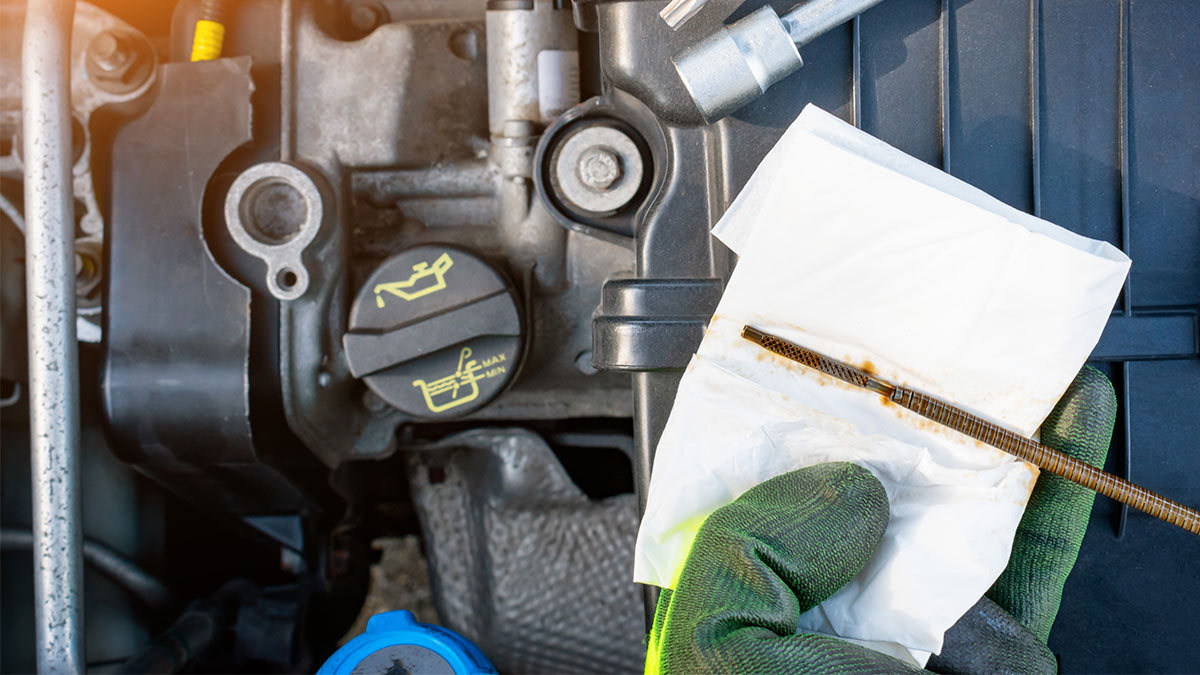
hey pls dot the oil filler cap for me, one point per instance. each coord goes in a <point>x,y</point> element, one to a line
<point>435,331</point>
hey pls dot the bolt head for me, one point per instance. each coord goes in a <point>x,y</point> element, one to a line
<point>599,168</point>
<point>108,52</point>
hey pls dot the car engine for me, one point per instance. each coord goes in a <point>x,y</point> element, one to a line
<point>407,268</point>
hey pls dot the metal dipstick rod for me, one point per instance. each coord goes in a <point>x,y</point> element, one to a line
<point>736,64</point>
<point>53,351</point>
<point>976,427</point>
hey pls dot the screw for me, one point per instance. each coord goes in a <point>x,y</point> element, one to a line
<point>365,17</point>
<point>599,168</point>
<point>108,52</point>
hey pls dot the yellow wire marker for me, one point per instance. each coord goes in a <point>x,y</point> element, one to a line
<point>207,40</point>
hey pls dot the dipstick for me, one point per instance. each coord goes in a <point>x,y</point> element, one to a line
<point>976,427</point>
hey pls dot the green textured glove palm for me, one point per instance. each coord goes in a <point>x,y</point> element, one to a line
<point>789,543</point>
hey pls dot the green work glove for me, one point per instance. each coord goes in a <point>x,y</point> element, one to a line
<point>789,543</point>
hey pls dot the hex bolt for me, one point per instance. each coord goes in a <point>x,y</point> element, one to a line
<point>108,52</point>
<point>599,168</point>
<point>119,62</point>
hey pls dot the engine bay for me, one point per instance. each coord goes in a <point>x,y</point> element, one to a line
<point>433,269</point>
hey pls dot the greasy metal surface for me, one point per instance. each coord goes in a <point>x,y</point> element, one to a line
<point>53,353</point>
<point>532,77</point>
<point>520,70</point>
<point>787,350</point>
<point>522,562</point>
<point>994,435</point>
<point>1050,460</point>
<point>422,167</point>
<point>336,119</point>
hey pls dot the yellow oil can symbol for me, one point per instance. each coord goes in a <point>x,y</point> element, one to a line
<point>461,386</point>
<point>426,279</point>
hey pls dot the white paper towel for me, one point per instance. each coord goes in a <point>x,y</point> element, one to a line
<point>851,248</point>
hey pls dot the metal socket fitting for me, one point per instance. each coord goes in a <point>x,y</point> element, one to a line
<point>736,64</point>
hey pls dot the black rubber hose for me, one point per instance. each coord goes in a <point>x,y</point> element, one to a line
<point>195,631</point>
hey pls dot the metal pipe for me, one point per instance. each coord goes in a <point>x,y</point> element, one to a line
<point>533,76</point>
<point>53,351</point>
<point>469,178</point>
<point>121,570</point>
<point>9,209</point>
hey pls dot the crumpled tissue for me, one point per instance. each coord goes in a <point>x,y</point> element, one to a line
<point>851,248</point>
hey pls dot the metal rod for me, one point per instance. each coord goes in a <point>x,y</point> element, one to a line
<point>1123,115</point>
<point>676,12</point>
<point>53,351</point>
<point>810,20</point>
<point>976,427</point>
<point>287,72</point>
<point>121,570</point>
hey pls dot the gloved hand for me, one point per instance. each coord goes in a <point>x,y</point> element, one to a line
<point>789,543</point>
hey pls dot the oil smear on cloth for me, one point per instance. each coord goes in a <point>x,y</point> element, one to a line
<point>851,248</point>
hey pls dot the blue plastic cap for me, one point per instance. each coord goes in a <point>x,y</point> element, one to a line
<point>390,630</point>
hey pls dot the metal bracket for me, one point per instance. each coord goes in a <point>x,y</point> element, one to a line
<point>274,211</point>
